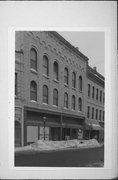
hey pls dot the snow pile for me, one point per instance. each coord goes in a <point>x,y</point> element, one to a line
<point>41,145</point>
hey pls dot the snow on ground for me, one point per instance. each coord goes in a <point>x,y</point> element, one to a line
<point>42,145</point>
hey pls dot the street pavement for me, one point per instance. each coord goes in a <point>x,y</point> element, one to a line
<point>65,158</point>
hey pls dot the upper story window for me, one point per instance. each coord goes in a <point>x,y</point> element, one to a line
<point>89,90</point>
<point>45,94</point>
<point>73,102</point>
<point>33,59</point>
<point>103,98</point>
<point>16,83</point>
<point>55,68</point>
<point>93,92</point>
<point>92,115</point>
<point>80,83</point>
<point>65,100</point>
<point>80,104</point>
<point>100,96</point>
<point>88,111</point>
<point>66,78</point>
<point>96,94</point>
<point>45,65</point>
<point>96,114</point>
<point>33,91</point>
<point>100,114</point>
<point>73,80</point>
<point>55,97</point>
<point>103,115</point>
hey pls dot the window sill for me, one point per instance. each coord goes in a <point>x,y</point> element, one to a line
<point>66,85</point>
<point>33,101</point>
<point>44,75</point>
<point>65,108</point>
<point>55,106</point>
<point>80,91</point>
<point>33,71</point>
<point>73,88</point>
<point>45,104</point>
<point>73,109</point>
<point>55,80</point>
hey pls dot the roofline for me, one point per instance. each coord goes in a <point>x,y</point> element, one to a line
<point>63,40</point>
<point>95,72</point>
<point>95,76</point>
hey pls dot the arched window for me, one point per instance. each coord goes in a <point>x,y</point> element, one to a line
<point>66,76</point>
<point>100,96</point>
<point>33,91</point>
<point>55,97</point>
<point>73,80</point>
<point>103,116</point>
<point>93,92</point>
<point>65,100</point>
<point>45,65</point>
<point>80,83</point>
<point>97,91</point>
<point>88,111</point>
<point>100,114</point>
<point>55,67</point>
<point>45,94</point>
<point>33,59</point>
<point>92,116</point>
<point>80,104</point>
<point>89,90</point>
<point>73,102</point>
<point>96,114</point>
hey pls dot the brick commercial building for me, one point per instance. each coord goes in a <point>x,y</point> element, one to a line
<point>51,79</point>
<point>95,98</point>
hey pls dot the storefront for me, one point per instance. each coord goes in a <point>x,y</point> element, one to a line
<point>94,130</point>
<point>48,125</point>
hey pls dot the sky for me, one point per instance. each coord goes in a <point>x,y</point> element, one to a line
<point>91,44</point>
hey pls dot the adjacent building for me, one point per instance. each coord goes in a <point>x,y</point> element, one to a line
<point>50,88</point>
<point>95,98</point>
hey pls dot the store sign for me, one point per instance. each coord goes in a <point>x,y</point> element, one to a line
<point>44,132</point>
<point>80,134</point>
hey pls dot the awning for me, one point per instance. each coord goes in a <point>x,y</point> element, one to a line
<point>97,127</point>
<point>92,126</point>
<point>75,126</point>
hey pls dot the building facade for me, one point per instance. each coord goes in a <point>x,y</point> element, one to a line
<point>50,88</point>
<point>95,98</point>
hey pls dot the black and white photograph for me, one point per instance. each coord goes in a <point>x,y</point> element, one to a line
<point>58,95</point>
<point>59,99</point>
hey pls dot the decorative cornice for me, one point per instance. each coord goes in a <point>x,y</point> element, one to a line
<point>71,47</point>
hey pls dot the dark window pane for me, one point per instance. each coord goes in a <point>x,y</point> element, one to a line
<point>33,59</point>
<point>33,91</point>
<point>16,84</point>
<point>80,83</point>
<point>45,94</point>
<point>55,70</point>
<point>45,66</point>
<point>73,102</point>
<point>66,100</point>
<point>55,97</point>
<point>66,76</point>
<point>80,104</point>
<point>73,79</point>
<point>89,90</point>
